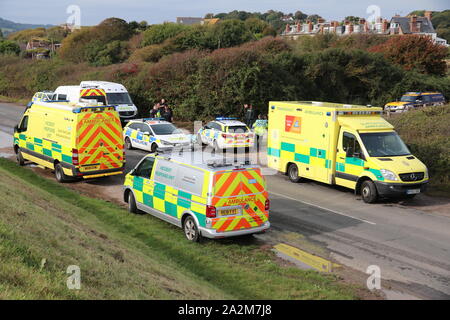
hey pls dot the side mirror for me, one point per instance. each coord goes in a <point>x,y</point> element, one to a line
<point>132,172</point>
<point>16,128</point>
<point>146,133</point>
<point>349,153</point>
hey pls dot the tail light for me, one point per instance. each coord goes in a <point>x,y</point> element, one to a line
<point>225,136</point>
<point>75,157</point>
<point>267,205</point>
<point>211,211</point>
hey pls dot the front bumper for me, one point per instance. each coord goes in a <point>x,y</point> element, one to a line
<point>212,233</point>
<point>390,189</point>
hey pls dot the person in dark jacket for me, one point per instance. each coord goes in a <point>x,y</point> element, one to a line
<point>167,113</point>
<point>249,116</point>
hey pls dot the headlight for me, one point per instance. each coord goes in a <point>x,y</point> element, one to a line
<point>426,174</point>
<point>165,143</point>
<point>388,175</point>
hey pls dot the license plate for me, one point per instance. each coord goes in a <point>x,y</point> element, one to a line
<point>413,191</point>
<point>93,167</point>
<point>228,212</point>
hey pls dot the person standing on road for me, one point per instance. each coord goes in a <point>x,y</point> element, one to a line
<point>163,103</point>
<point>260,128</point>
<point>167,113</point>
<point>249,116</point>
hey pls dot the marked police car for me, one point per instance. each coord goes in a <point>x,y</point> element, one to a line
<point>151,134</point>
<point>225,133</point>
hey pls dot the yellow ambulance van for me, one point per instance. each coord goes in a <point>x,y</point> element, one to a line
<point>81,140</point>
<point>210,198</point>
<point>346,145</point>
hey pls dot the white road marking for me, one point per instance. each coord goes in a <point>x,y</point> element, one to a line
<point>323,208</point>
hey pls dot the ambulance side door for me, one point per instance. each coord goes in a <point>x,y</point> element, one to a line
<point>142,180</point>
<point>349,159</point>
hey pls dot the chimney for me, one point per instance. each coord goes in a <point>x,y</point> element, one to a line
<point>350,28</point>
<point>288,28</point>
<point>320,20</point>
<point>299,27</point>
<point>413,24</point>
<point>310,26</point>
<point>384,27</point>
<point>428,15</point>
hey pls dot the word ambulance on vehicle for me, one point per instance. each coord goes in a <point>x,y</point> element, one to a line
<point>75,140</point>
<point>225,133</point>
<point>151,134</point>
<point>109,93</point>
<point>212,199</point>
<point>346,145</point>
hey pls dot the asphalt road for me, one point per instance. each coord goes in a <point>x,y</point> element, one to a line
<point>410,246</point>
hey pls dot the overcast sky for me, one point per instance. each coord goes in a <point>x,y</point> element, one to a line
<point>157,11</point>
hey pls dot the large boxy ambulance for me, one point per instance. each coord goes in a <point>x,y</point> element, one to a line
<point>346,145</point>
<point>81,140</point>
<point>207,198</point>
<point>110,93</point>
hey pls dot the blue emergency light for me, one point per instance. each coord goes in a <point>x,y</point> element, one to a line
<point>225,118</point>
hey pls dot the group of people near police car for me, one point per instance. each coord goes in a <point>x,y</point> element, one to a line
<point>257,123</point>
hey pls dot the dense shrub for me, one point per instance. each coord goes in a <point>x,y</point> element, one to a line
<point>427,133</point>
<point>157,33</point>
<point>9,47</point>
<point>415,53</point>
<point>99,45</point>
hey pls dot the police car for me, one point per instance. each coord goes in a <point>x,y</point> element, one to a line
<point>225,133</point>
<point>151,134</point>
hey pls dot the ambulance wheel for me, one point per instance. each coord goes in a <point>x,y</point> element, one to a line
<point>191,230</point>
<point>293,173</point>
<point>153,147</point>
<point>59,173</point>
<point>369,192</point>
<point>128,144</point>
<point>131,203</point>
<point>20,159</point>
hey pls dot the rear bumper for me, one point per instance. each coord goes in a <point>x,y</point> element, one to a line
<point>212,233</point>
<point>386,189</point>
<point>96,174</point>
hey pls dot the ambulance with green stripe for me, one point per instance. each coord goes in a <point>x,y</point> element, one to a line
<point>81,140</point>
<point>207,198</point>
<point>347,145</point>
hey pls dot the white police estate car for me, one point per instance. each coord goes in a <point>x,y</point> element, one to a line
<point>225,133</point>
<point>151,134</point>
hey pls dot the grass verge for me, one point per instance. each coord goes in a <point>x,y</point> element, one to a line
<point>125,256</point>
<point>427,132</point>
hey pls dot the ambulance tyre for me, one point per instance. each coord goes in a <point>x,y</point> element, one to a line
<point>293,173</point>
<point>132,203</point>
<point>369,192</point>
<point>191,230</point>
<point>59,173</point>
<point>20,159</point>
<point>128,144</point>
<point>154,147</point>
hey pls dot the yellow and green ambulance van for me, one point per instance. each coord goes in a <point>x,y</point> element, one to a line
<point>81,140</point>
<point>207,198</point>
<point>346,145</point>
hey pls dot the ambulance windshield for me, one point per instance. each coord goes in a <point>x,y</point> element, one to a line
<point>118,98</point>
<point>384,144</point>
